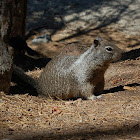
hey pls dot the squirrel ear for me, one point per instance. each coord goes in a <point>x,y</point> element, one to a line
<point>96,43</point>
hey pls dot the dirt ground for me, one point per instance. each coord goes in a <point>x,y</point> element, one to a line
<point>116,116</point>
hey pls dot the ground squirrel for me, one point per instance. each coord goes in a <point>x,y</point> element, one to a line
<point>72,76</point>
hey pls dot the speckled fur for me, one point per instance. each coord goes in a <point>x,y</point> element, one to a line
<point>68,77</point>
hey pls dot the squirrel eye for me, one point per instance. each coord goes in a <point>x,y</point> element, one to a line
<point>109,49</point>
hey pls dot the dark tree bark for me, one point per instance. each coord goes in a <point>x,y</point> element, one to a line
<point>12,24</point>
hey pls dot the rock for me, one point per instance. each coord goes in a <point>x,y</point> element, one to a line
<point>42,39</point>
<point>1,101</point>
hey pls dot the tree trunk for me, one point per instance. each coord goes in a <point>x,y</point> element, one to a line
<point>12,24</point>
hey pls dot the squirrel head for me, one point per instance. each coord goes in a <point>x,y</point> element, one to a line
<point>107,50</point>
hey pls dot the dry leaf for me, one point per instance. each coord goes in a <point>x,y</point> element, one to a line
<point>56,109</point>
<point>115,81</point>
<point>129,88</point>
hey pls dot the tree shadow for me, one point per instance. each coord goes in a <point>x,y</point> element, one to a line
<point>133,54</point>
<point>28,63</point>
<point>52,14</point>
<point>134,45</point>
<point>120,88</point>
<point>83,134</point>
<point>22,88</point>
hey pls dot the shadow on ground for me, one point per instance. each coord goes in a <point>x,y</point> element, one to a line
<point>132,130</point>
<point>28,63</point>
<point>120,88</point>
<point>49,15</point>
<point>133,54</point>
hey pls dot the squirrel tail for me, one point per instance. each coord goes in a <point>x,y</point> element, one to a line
<point>18,72</point>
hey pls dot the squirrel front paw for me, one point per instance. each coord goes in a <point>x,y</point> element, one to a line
<point>93,97</point>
